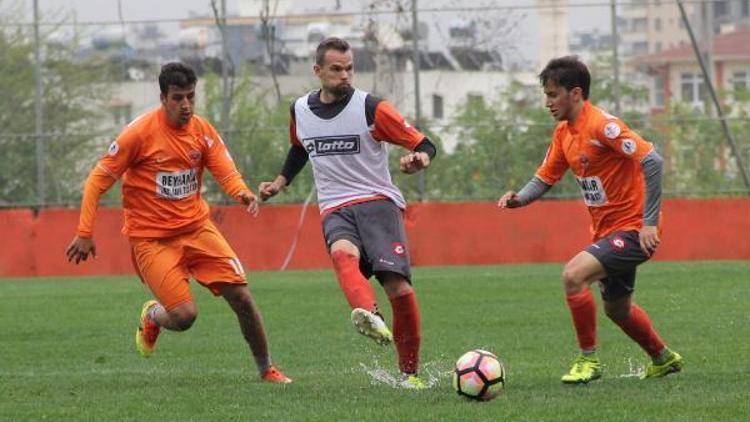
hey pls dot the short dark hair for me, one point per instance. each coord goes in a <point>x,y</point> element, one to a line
<point>568,72</point>
<point>330,43</point>
<point>176,74</point>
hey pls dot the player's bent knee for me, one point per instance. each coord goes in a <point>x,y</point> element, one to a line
<point>394,284</point>
<point>573,279</point>
<point>183,318</point>
<point>617,311</point>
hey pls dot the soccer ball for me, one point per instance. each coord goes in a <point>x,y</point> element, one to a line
<point>479,375</point>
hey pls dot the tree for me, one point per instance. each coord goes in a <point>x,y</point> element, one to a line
<point>261,139</point>
<point>72,106</point>
<point>501,144</point>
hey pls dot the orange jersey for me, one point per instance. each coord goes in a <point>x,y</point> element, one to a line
<point>162,169</point>
<point>605,156</point>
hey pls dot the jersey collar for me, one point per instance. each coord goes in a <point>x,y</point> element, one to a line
<point>582,117</point>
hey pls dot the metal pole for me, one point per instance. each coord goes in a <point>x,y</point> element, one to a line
<point>224,74</point>
<point>715,99</point>
<point>417,94</point>
<point>41,154</point>
<point>615,59</point>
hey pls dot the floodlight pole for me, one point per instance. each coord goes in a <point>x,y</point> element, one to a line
<point>417,94</point>
<point>40,141</point>
<point>715,99</point>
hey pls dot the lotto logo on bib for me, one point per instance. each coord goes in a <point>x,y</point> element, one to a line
<point>334,145</point>
<point>176,185</point>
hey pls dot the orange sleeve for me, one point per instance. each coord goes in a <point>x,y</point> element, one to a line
<point>121,153</point>
<point>219,162</point>
<point>554,165</point>
<point>98,182</point>
<point>390,126</point>
<point>621,139</point>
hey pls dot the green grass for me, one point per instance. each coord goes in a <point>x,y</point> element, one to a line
<point>67,350</point>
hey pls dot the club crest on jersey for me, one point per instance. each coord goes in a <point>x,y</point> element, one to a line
<point>617,243</point>
<point>628,146</point>
<point>584,160</point>
<point>398,248</point>
<point>612,130</point>
<point>333,145</point>
<point>194,155</point>
<point>113,148</point>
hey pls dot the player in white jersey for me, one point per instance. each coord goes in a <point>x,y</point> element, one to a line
<point>343,131</point>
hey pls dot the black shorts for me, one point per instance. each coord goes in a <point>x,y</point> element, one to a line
<point>377,229</point>
<point>620,254</point>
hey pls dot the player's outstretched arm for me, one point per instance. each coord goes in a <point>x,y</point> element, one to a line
<point>270,189</point>
<point>295,161</point>
<point>82,245</point>
<point>533,190</point>
<point>249,199</point>
<point>414,162</point>
<point>509,200</point>
<point>80,249</point>
<point>652,166</point>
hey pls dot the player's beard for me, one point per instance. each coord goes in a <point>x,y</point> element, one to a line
<point>341,90</point>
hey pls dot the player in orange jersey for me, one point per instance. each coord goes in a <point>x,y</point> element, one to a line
<point>161,157</point>
<point>619,175</point>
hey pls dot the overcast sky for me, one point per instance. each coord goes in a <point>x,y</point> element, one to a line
<point>596,15</point>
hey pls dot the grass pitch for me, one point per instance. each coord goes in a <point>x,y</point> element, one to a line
<point>67,350</point>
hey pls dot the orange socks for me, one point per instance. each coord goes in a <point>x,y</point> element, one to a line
<point>583,309</point>
<point>406,335</point>
<point>638,327</point>
<point>357,289</point>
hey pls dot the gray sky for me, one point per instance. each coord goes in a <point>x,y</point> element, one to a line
<point>107,10</point>
<point>596,15</point>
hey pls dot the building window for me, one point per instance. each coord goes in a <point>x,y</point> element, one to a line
<point>640,47</point>
<point>721,8</point>
<point>692,88</point>
<point>745,8</point>
<point>437,106</point>
<point>741,81</point>
<point>122,113</point>
<point>640,24</point>
<point>657,25</point>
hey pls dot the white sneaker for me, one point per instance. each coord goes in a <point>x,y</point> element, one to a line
<point>371,325</point>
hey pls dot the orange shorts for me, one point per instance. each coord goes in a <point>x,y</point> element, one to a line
<point>166,264</point>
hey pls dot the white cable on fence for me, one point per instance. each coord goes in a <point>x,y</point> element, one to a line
<point>301,221</point>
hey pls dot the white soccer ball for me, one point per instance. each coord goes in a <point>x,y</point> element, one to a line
<point>479,375</point>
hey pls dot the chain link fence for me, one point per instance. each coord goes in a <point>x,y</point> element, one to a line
<point>480,100</point>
